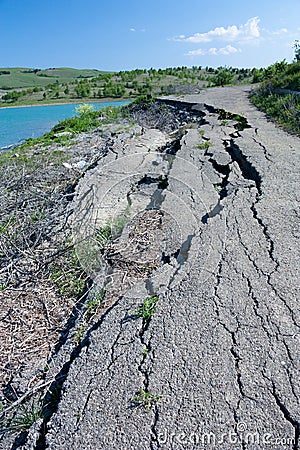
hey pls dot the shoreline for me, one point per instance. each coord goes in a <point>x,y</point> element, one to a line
<point>12,145</point>
<point>67,103</point>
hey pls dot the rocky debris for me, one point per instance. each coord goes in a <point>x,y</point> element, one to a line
<point>163,116</point>
<point>182,89</point>
<point>62,133</point>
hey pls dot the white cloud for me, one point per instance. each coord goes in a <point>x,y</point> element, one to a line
<point>248,31</point>
<point>282,31</point>
<point>228,50</point>
<point>135,30</point>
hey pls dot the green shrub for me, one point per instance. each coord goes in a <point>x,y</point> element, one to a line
<point>84,109</point>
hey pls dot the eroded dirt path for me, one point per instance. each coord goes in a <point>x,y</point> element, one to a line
<point>216,365</point>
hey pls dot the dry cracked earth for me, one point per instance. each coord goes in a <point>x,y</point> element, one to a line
<point>197,345</point>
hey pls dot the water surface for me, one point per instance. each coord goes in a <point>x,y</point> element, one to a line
<point>20,123</point>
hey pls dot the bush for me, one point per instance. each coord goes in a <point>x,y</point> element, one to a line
<point>223,77</point>
<point>84,109</point>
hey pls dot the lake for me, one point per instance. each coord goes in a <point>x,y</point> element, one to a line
<point>20,123</point>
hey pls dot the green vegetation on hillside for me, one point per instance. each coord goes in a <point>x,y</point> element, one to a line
<point>278,95</point>
<point>35,86</point>
<point>21,86</point>
<point>21,77</point>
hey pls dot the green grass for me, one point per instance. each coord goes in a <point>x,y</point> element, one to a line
<point>26,156</point>
<point>94,303</point>
<point>105,235</point>
<point>68,282</point>
<point>68,276</point>
<point>21,77</point>
<point>67,73</point>
<point>283,109</point>
<point>92,306</point>
<point>204,145</point>
<point>271,98</point>
<point>79,333</point>
<point>7,225</point>
<point>146,399</point>
<point>25,417</point>
<point>147,309</point>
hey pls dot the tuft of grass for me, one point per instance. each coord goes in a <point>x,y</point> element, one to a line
<point>204,145</point>
<point>68,283</point>
<point>68,276</point>
<point>146,399</point>
<point>119,223</point>
<point>93,304</point>
<point>7,225</point>
<point>111,112</point>
<point>78,336</point>
<point>37,216</point>
<point>104,236</point>
<point>27,416</point>
<point>147,309</point>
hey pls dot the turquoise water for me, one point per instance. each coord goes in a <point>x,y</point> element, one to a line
<point>18,124</point>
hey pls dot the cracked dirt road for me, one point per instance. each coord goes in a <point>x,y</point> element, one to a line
<point>217,364</point>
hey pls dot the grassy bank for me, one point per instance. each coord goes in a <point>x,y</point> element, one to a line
<point>284,109</point>
<point>275,95</point>
<point>62,134</point>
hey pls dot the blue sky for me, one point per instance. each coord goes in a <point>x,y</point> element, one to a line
<point>120,35</point>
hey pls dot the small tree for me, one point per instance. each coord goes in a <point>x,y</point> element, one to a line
<point>83,89</point>
<point>223,77</point>
<point>297,51</point>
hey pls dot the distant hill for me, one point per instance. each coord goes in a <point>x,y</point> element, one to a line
<point>22,77</point>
